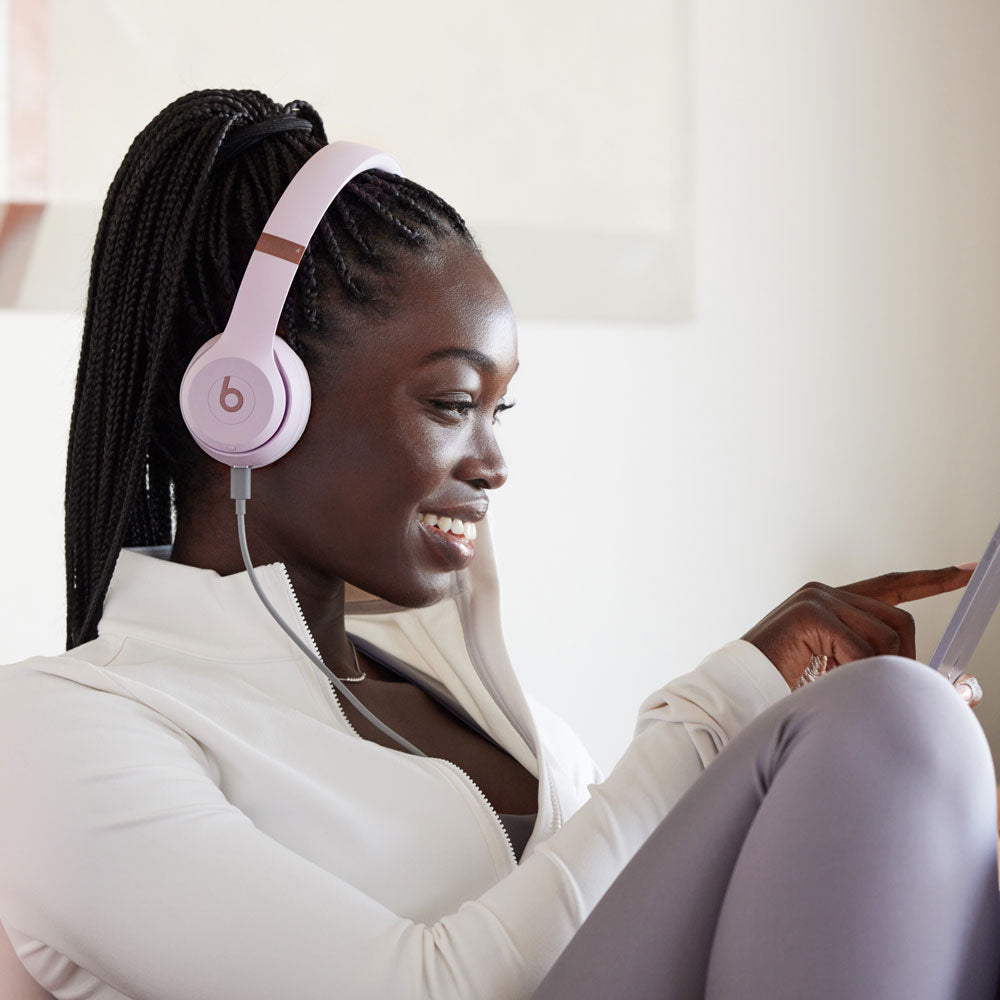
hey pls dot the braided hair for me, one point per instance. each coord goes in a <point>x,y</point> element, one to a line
<point>180,221</point>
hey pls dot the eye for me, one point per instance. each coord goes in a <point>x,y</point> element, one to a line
<point>460,407</point>
<point>500,407</point>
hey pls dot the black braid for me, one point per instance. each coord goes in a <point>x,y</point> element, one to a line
<point>175,235</point>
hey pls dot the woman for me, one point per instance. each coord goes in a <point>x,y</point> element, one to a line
<point>194,814</point>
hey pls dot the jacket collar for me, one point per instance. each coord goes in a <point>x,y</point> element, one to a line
<point>456,644</point>
<point>197,610</point>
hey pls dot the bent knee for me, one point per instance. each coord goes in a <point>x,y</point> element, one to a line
<point>893,683</point>
<point>908,713</point>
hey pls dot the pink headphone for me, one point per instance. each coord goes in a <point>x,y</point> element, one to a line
<point>245,396</point>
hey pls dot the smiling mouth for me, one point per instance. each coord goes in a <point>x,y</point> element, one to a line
<point>449,526</point>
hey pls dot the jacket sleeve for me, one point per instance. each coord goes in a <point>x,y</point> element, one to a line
<point>715,701</point>
<point>705,709</point>
<point>123,854</point>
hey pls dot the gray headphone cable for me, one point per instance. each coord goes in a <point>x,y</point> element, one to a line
<point>240,492</point>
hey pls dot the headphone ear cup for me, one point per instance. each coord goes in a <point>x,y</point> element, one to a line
<point>199,397</point>
<point>298,395</point>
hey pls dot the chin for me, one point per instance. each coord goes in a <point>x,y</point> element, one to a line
<point>411,594</point>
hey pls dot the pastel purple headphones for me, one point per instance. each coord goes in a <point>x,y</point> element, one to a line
<point>245,396</point>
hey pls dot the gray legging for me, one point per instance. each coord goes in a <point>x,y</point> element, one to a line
<point>842,846</point>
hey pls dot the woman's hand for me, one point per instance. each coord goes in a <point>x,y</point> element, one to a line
<point>849,623</point>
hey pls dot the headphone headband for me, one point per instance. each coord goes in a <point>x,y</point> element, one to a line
<point>289,228</point>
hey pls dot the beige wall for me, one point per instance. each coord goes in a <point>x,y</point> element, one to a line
<point>831,412</point>
<point>828,412</point>
<point>523,113</point>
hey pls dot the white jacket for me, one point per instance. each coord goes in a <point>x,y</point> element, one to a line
<point>186,814</point>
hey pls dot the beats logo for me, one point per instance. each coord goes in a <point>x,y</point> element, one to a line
<point>231,399</point>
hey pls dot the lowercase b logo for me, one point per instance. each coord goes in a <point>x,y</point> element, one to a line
<point>230,398</point>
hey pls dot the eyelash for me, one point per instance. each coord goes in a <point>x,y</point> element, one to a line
<point>463,407</point>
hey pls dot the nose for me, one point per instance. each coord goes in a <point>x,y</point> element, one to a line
<point>484,466</point>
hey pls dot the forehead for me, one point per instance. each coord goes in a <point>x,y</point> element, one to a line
<point>449,309</point>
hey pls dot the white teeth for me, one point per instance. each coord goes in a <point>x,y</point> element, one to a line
<point>454,525</point>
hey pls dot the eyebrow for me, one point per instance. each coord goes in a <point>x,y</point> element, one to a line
<point>475,358</point>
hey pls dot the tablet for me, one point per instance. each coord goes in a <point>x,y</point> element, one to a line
<point>973,614</point>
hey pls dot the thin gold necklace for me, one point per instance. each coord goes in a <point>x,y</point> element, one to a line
<point>364,673</point>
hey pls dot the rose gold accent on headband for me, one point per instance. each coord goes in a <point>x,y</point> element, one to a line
<point>29,84</point>
<point>278,247</point>
<point>19,225</point>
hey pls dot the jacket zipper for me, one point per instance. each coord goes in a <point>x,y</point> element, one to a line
<point>489,805</point>
<point>315,649</point>
<point>347,722</point>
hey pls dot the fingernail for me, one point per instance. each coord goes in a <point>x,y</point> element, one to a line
<point>971,565</point>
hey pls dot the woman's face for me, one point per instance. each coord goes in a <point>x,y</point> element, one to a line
<point>402,427</point>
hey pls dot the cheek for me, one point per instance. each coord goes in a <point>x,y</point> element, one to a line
<point>375,468</point>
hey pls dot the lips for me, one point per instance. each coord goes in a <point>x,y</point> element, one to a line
<point>451,528</point>
<point>454,551</point>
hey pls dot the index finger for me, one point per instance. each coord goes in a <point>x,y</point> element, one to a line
<point>898,588</point>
